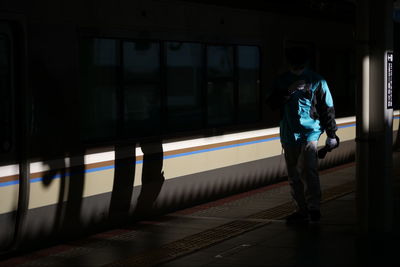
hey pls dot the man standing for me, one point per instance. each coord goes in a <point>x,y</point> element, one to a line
<point>307,111</point>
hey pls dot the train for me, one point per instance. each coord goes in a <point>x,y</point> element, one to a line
<point>116,111</point>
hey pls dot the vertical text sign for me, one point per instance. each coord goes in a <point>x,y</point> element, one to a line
<point>389,75</point>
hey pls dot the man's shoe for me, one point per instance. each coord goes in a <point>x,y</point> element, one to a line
<point>297,218</point>
<point>315,216</point>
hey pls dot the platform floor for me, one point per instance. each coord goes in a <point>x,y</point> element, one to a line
<point>247,229</point>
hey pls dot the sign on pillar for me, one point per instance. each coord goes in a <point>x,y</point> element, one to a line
<point>389,80</point>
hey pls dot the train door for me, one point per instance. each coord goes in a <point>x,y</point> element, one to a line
<point>9,165</point>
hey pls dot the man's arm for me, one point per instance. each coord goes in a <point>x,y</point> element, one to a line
<point>326,110</point>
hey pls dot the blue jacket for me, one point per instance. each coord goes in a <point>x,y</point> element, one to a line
<point>307,112</point>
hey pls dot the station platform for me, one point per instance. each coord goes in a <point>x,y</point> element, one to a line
<point>246,229</point>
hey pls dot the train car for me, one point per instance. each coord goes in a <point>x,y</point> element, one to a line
<point>112,112</point>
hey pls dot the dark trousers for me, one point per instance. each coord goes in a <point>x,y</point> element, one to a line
<point>302,168</point>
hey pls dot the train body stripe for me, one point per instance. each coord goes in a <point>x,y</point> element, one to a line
<point>107,165</point>
<point>3,184</point>
<point>9,178</point>
<point>346,126</point>
<point>221,147</point>
<point>38,179</point>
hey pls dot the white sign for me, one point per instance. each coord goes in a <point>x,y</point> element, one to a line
<point>389,80</point>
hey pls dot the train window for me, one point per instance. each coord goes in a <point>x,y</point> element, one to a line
<point>183,82</point>
<point>126,83</point>
<point>337,67</point>
<point>220,85</point>
<point>141,83</point>
<point>99,86</point>
<point>5,95</point>
<point>248,58</point>
<point>220,61</point>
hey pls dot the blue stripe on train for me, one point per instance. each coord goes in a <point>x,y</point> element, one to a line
<point>39,179</point>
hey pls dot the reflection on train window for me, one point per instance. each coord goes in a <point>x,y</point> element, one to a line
<point>220,85</point>
<point>220,61</point>
<point>5,95</point>
<point>127,83</point>
<point>337,67</point>
<point>220,101</point>
<point>183,82</point>
<point>248,58</point>
<point>142,98</point>
<point>99,84</point>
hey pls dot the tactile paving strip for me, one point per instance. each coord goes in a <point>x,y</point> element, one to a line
<point>285,209</point>
<point>275,213</point>
<point>338,191</point>
<point>211,236</point>
<point>189,244</point>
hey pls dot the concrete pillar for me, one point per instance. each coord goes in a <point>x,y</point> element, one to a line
<point>374,117</point>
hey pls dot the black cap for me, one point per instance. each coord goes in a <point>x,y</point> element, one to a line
<point>297,56</point>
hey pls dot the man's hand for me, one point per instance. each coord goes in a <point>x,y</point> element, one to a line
<point>331,143</point>
<point>297,85</point>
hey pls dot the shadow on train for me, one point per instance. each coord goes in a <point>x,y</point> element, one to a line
<point>55,140</point>
<point>152,180</point>
<point>56,137</point>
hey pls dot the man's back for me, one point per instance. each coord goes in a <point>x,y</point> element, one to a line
<point>300,120</point>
